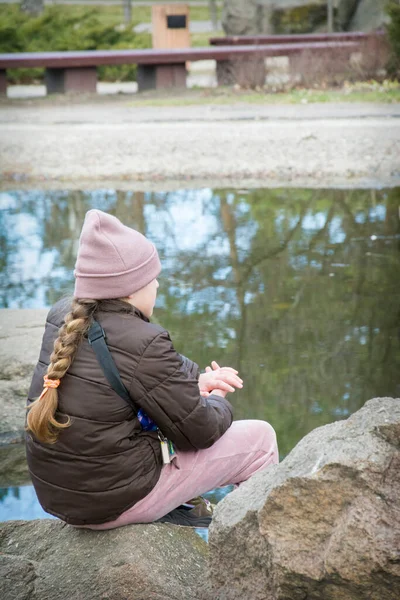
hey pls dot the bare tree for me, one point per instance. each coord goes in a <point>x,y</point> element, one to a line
<point>32,7</point>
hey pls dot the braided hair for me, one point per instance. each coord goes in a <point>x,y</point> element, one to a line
<point>41,419</point>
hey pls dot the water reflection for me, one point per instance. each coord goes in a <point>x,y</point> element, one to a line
<point>20,502</point>
<point>296,288</point>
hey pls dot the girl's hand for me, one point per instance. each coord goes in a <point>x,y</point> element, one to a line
<point>221,379</point>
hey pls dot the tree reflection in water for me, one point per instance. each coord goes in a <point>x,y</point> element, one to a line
<point>296,288</point>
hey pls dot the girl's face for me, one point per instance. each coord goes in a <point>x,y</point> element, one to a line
<point>145,298</point>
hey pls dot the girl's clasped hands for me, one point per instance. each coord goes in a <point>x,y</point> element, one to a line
<point>219,380</point>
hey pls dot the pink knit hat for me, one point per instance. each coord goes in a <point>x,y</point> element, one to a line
<point>113,260</point>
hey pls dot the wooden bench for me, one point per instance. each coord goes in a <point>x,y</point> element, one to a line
<point>76,71</point>
<point>371,56</point>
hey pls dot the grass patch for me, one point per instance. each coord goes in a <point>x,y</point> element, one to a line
<point>386,92</point>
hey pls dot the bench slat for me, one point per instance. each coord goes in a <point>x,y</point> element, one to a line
<point>93,58</point>
<point>244,40</point>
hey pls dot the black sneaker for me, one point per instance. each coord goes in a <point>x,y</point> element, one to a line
<point>194,513</point>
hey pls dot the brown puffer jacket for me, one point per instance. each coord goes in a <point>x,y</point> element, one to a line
<point>104,463</point>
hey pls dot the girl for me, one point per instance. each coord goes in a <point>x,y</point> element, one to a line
<point>94,460</point>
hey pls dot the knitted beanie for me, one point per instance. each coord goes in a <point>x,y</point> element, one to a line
<point>113,260</point>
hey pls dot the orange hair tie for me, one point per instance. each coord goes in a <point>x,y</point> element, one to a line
<point>49,383</point>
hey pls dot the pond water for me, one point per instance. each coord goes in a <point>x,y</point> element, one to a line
<point>296,288</point>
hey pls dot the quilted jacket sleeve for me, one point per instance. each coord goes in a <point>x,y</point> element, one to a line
<point>162,388</point>
<point>190,368</point>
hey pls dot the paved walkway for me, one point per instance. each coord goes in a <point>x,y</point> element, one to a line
<point>39,91</point>
<point>118,143</point>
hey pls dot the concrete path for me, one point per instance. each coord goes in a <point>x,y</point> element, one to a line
<point>39,91</point>
<point>121,143</point>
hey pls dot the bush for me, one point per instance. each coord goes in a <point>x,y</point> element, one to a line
<point>60,29</point>
<point>300,19</point>
<point>393,29</point>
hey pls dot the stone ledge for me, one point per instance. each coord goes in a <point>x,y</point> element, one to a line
<point>21,332</point>
<point>48,560</point>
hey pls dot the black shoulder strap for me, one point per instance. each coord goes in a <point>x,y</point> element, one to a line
<point>97,339</point>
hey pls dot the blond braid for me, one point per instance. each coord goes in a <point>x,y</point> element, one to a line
<point>41,420</point>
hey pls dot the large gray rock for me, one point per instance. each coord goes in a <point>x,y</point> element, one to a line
<point>322,525</point>
<point>48,560</point>
<point>20,338</point>
<point>21,333</point>
<point>252,17</point>
<point>240,18</point>
<point>14,469</point>
<point>369,15</point>
<point>345,10</point>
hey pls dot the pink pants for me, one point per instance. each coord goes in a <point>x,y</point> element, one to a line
<point>246,448</point>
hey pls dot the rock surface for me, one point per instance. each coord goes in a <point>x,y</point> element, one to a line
<point>14,468</point>
<point>369,15</point>
<point>244,17</point>
<point>48,560</point>
<point>345,10</point>
<point>322,525</point>
<point>240,18</point>
<point>21,333</point>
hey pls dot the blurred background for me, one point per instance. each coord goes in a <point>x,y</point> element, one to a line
<point>78,25</point>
